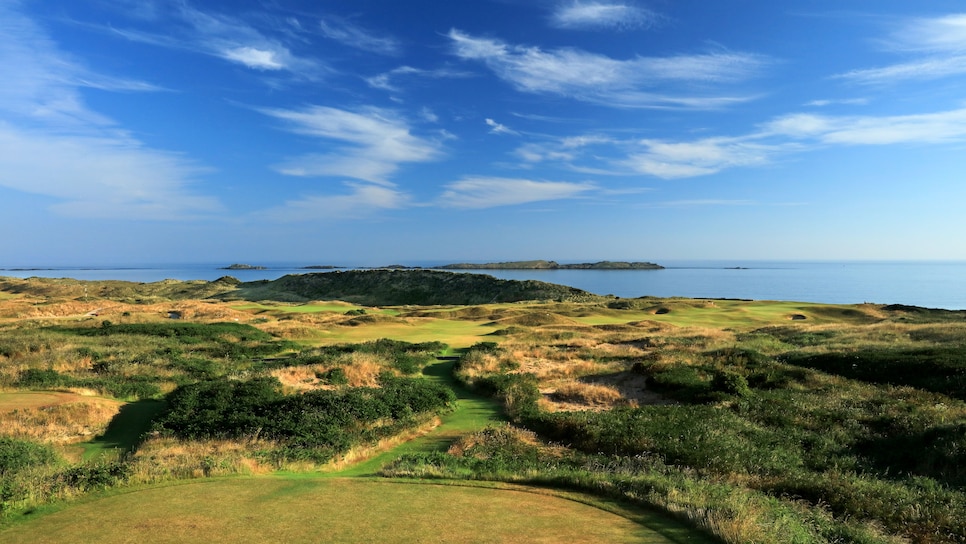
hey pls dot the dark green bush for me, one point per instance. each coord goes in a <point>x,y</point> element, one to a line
<point>17,454</point>
<point>48,378</point>
<point>730,383</point>
<point>328,422</point>
<point>941,369</point>
<point>98,475</point>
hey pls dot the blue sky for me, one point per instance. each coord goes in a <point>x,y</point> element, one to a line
<point>378,131</point>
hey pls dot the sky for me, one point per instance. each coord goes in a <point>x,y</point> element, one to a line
<point>380,131</point>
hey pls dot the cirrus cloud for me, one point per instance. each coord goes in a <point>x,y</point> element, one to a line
<point>53,144</point>
<point>680,80</point>
<point>489,192</point>
<point>375,142</point>
<point>595,15</point>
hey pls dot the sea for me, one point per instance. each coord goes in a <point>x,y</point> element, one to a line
<point>928,284</point>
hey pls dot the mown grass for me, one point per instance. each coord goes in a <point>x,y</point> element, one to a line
<point>331,307</point>
<point>335,510</point>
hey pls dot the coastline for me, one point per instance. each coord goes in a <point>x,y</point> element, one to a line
<point>929,284</point>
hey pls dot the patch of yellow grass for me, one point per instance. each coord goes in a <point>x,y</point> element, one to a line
<point>62,423</point>
<point>162,459</point>
<point>588,393</point>
<point>477,363</point>
<point>299,377</point>
<point>363,369</point>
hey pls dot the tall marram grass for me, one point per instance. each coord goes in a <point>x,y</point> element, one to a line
<point>62,423</point>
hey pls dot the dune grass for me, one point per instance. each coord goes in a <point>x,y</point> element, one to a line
<point>843,422</point>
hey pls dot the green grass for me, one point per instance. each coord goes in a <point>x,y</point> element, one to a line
<point>125,430</point>
<point>337,510</point>
<point>454,333</point>
<point>721,314</point>
<point>473,412</point>
<point>333,307</point>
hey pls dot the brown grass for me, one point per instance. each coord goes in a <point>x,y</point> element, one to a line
<point>64,422</point>
<point>301,378</point>
<point>163,459</point>
<point>588,393</point>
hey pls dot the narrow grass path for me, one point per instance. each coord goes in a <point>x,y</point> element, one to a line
<point>473,413</point>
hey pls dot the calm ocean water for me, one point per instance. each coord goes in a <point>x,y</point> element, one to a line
<point>927,284</point>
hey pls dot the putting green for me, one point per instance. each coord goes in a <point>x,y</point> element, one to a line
<point>271,509</point>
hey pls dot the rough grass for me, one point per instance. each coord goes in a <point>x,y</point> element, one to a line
<point>60,418</point>
<point>588,394</point>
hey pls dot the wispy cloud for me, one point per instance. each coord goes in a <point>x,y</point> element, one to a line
<point>375,142</point>
<point>53,144</point>
<point>601,79</point>
<point>670,160</point>
<point>489,192</point>
<point>497,128</point>
<point>385,80</point>
<point>938,45</point>
<point>789,134</point>
<point>362,200</point>
<point>579,14</point>
<point>927,128</point>
<point>779,137</point>
<point>225,37</point>
<point>836,102</point>
<point>704,202</point>
<point>101,177</point>
<point>358,37</point>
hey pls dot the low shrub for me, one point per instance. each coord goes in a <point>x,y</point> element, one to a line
<point>16,455</point>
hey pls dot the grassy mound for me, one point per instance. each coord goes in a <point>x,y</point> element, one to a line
<point>403,287</point>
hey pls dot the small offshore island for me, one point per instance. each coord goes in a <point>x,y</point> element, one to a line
<point>508,265</point>
<point>553,265</point>
<point>238,266</point>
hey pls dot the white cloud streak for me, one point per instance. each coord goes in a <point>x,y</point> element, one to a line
<point>671,160</point>
<point>584,15</point>
<point>355,36</point>
<point>489,192</point>
<point>385,81</point>
<point>928,128</point>
<point>779,137</point>
<point>604,80</point>
<point>376,141</point>
<point>497,128</point>
<point>939,42</point>
<point>53,144</point>
<point>227,38</point>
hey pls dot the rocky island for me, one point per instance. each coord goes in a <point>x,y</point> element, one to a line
<point>237,266</point>
<point>553,265</point>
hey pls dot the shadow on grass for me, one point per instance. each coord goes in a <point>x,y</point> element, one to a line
<point>127,428</point>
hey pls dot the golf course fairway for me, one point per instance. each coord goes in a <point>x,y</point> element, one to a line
<point>272,509</point>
